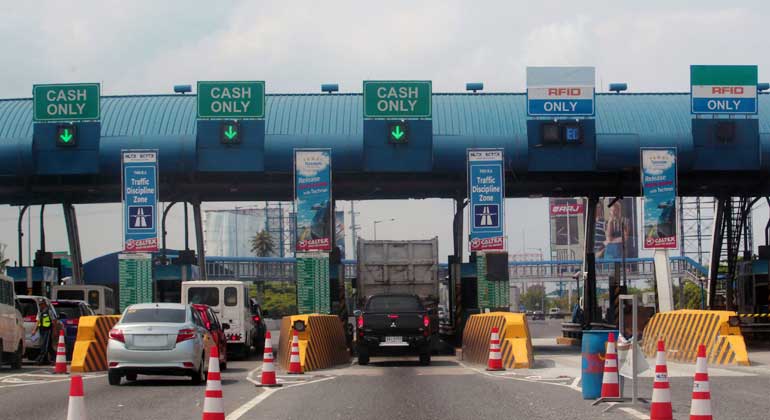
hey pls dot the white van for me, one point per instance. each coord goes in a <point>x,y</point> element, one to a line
<point>230,300</point>
<point>100,298</point>
<point>11,325</point>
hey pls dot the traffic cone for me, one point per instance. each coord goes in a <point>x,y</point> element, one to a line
<point>610,387</point>
<point>295,367</point>
<point>701,392</point>
<point>660,408</point>
<point>268,368</point>
<point>61,356</point>
<point>213,404</point>
<point>495,362</point>
<point>76,409</point>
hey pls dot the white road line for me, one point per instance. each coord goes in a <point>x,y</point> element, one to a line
<point>634,413</point>
<point>245,408</point>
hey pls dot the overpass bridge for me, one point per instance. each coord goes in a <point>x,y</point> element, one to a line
<point>262,269</point>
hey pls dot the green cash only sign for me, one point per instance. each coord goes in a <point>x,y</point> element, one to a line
<point>231,100</point>
<point>398,99</point>
<point>66,102</point>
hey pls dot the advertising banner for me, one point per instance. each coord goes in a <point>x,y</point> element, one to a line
<point>659,191</point>
<point>339,231</point>
<point>486,190</point>
<point>140,200</point>
<point>313,198</point>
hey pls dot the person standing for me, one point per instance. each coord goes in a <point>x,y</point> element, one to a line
<point>44,325</point>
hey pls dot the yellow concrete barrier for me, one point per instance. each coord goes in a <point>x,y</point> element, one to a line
<point>685,329</point>
<point>322,345</point>
<point>515,340</point>
<point>90,353</point>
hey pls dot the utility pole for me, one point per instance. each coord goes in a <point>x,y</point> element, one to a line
<point>353,226</point>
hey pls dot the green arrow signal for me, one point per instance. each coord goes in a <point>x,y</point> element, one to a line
<point>230,133</point>
<point>397,133</point>
<point>66,136</point>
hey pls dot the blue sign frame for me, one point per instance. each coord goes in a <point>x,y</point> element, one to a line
<point>139,176</point>
<point>486,192</point>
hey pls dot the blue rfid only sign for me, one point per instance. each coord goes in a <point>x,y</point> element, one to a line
<point>561,91</point>
<point>486,189</point>
<point>723,89</point>
<point>140,200</point>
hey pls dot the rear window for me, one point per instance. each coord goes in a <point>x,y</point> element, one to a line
<point>394,304</point>
<point>71,310</point>
<point>70,294</point>
<point>203,295</point>
<point>231,296</point>
<point>28,307</point>
<point>93,298</point>
<point>172,316</point>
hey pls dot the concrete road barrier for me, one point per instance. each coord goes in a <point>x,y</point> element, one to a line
<point>322,345</point>
<point>685,329</point>
<point>515,339</point>
<point>90,353</point>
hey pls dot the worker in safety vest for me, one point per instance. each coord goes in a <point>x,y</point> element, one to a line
<point>44,325</point>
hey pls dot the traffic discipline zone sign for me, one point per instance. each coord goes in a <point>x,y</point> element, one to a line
<point>140,217</point>
<point>486,216</point>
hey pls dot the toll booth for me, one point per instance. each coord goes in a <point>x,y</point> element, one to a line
<point>36,281</point>
<point>753,296</point>
<point>167,281</point>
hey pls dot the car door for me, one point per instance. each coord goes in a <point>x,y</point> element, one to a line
<point>203,341</point>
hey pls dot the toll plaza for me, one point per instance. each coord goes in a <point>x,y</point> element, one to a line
<point>237,141</point>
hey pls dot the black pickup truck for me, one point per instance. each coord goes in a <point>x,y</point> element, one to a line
<point>394,325</point>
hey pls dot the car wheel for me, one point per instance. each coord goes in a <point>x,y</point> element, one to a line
<point>113,377</point>
<point>17,356</point>
<point>363,358</point>
<point>424,359</point>
<point>198,376</point>
<point>131,377</point>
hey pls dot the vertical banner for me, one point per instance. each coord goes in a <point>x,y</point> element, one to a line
<point>140,200</point>
<point>486,190</point>
<point>134,278</point>
<point>313,196</point>
<point>659,191</point>
<point>339,231</point>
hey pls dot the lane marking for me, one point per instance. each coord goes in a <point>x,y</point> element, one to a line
<point>634,413</point>
<point>248,406</point>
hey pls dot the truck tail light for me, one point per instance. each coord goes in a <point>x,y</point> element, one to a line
<point>184,335</point>
<point>426,321</point>
<point>117,335</point>
<point>30,318</point>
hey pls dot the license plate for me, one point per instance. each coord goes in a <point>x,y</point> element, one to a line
<point>394,341</point>
<point>154,340</point>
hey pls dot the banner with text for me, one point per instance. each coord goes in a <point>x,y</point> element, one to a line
<point>313,197</point>
<point>486,189</point>
<point>140,200</point>
<point>659,191</point>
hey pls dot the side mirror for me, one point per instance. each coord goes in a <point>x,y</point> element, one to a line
<point>225,326</point>
<point>357,313</point>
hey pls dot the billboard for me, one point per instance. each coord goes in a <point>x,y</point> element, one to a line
<point>313,198</point>
<point>486,190</point>
<point>229,233</point>
<point>339,231</point>
<point>140,200</point>
<point>616,228</point>
<point>659,191</point>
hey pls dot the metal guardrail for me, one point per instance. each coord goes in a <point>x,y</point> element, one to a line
<point>282,269</point>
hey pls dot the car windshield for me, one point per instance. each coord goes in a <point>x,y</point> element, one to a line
<point>28,307</point>
<point>71,310</point>
<point>69,294</point>
<point>394,304</point>
<point>164,315</point>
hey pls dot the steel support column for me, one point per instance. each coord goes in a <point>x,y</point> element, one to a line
<point>21,236</point>
<point>717,230</point>
<point>73,238</point>
<point>199,238</point>
<point>163,227</point>
<point>589,265</point>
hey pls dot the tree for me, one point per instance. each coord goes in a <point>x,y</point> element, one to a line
<point>3,261</point>
<point>534,297</point>
<point>262,244</point>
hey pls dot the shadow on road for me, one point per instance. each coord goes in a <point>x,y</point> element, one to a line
<point>412,363</point>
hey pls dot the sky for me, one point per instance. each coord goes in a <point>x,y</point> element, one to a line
<point>149,46</point>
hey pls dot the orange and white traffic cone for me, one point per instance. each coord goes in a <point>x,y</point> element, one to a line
<point>295,367</point>
<point>701,392</point>
<point>660,407</point>
<point>214,404</point>
<point>495,362</point>
<point>76,410</point>
<point>610,387</point>
<point>268,366</point>
<point>61,355</point>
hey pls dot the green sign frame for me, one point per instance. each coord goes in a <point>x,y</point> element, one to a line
<point>235,108</point>
<point>397,98</point>
<point>66,97</point>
